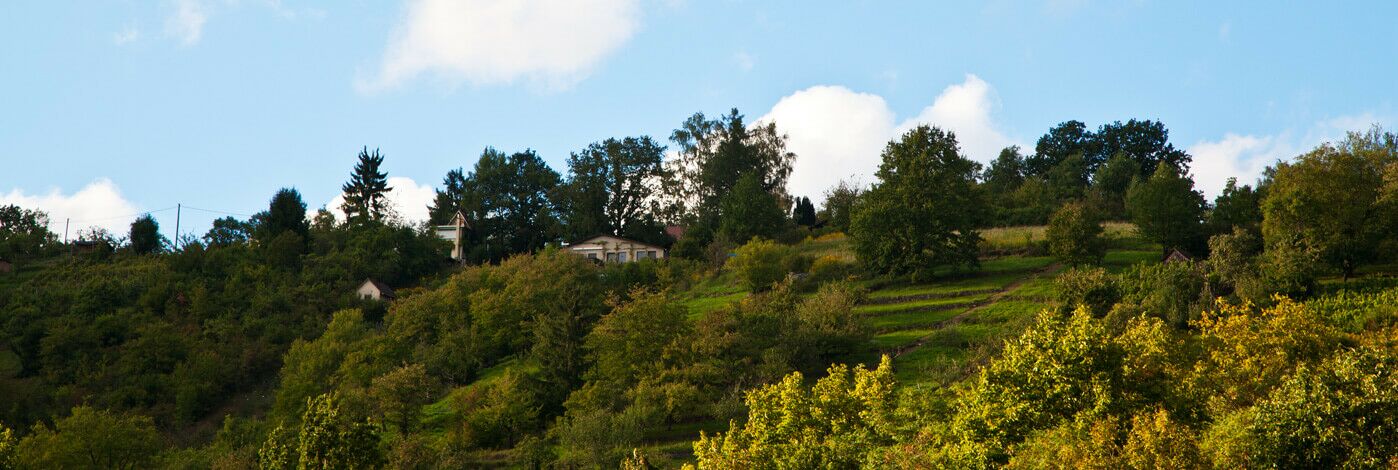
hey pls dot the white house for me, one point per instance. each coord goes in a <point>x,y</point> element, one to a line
<point>455,232</point>
<point>615,249</point>
<point>374,290</point>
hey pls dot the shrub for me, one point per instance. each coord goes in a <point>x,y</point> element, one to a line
<point>1075,235</point>
<point>761,263</point>
<point>826,269</point>
<point>1093,288</point>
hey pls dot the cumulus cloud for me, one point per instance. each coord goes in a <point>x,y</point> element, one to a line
<point>99,203</point>
<point>1246,156</point>
<point>408,200</point>
<point>838,133</point>
<point>553,43</point>
<point>187,20</point>
<point>965,109</point>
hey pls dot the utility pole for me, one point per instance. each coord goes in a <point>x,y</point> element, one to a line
<point>65,229</point>
<point>177,225</point>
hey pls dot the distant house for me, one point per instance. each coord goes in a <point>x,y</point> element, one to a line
<point>374,290</point>
<point>84,246</point>
<point>455,232</point>
<point>1177,256</point>
<point>6,267</point>
<point>615,249</point>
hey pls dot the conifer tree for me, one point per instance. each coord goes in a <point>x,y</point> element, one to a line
<point>367,189</point>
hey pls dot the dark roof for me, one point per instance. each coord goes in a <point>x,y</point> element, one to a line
<point>384,290</point>
<point>1178,255</point>
<point>638,242</point>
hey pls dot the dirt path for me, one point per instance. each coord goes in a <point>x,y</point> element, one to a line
<point>995,297</point>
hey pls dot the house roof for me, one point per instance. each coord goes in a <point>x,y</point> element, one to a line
<point>674,231</point>
<point>384,290</point>
<point>600,235</point>
<point>1177,254</point>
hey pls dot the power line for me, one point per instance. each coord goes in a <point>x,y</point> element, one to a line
<point>217,211</point>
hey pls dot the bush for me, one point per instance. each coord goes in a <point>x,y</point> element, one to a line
<point>826,269</point>
<point>1093,288</point>
<point>1174,292</point>
<point>761,263</point>
<point>1075,235</point>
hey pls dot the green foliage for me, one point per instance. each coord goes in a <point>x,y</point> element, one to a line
<point>24,234</point>
<point>326,439</point>
<point>285,213</point>
<point>1167,209</point>
<point>713,155</point>
<point>365,193</point>
<point>1092,288</point>
<point>507,202</point>
<point>401,393</point>
<point>1331,199</point>
<point>803,212</point>
<point>1342,413</point>
<point>924,212</point>
<point>1075,235</point>
<point>8,448</point>
<point>831,425</point>
<point>90,438</point>
<point>749,211</point>
<point>609,189</point>
<point>1174,292</point>
<point>1236,207</point>
<point>839,204</point>
<point>145,237</point>
<point>761,263</point>
<point>1110,183</point>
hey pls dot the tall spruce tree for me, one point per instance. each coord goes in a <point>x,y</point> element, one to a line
<point>367,189</point>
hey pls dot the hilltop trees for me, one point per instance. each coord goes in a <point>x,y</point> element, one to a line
<point>145,236</point>
<point>839,204</point>
<point>1334,200</point>
<point>507,201</point>
<point>24,233</point>
<point>286,212</point>
<point>366,190</point>
<point>924,211</point>
<point>610,187</point>
<point>1167,210</point>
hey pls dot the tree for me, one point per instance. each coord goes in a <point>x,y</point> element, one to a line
<point>1075,235</point>
<point>326,439</point>
<point>749,211</point>
<point>831,425</point>
<point>1236,207</point>
<point>1065,139</point>
<point>1110,183</point>
<point>1145,141</point>
<point>924,211</point>
<point>610,187</point>
<point>713,155</point>
<point>145,236</point>
<point>91,438</point>
<point>8,445</point>
<point>1006,173</point>
<point>761,263</point>
<point>227,231</point>
<point>506,200</point>
<point>1332,199</point>
<point>1167,210</point>
<point>24,234</point>
<point>286,212</point>
<point>839,204</point>
<point>401,393</point>
<point>366,191</point>
<point>803,213</point>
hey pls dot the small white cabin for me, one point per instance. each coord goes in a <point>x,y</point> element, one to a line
<point>374,290</point>
<point>615,249</point>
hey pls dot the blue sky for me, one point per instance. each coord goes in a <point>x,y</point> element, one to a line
<point>116,107</point>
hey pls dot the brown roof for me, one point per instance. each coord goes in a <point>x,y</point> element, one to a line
<point>674,231</point>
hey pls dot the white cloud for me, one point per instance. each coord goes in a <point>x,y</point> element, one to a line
<point>100,203</point>
<point>838,134</point>
<point>187,21</point>
<point>553,43</point>
<point>126,36</point>
<point>965,109</point>
<point>1246,156</point>
<point>408,200</point>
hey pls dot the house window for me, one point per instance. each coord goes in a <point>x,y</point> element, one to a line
<point>592,256</point>
<point>621,257</point>
<point>611,256</point>
<point>640,255</point>
<point>650,254</point>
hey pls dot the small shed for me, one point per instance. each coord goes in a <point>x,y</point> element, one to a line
<point>1177,256</point>
<point>374,290</point>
